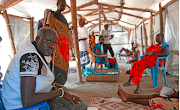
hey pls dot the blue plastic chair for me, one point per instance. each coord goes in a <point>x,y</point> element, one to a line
<point>40,106</point>
<point>154,70</point>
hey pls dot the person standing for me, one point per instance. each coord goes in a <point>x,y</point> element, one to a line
<point>41,21</point>
<point>83,44</point>
<point>60,57</point>
<point>107,45</point>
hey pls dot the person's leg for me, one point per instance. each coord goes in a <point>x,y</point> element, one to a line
<point>110,50</point>
<point>122,49</point>
<point>105,48</point>
<point>61,103</point>
<point>127,83</point>
<point>60,75</point>
<point>138,89</point>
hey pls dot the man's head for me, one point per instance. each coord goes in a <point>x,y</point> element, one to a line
<point>106,26</point>
<point>61,5</point>
<point>101,39</point>
<point>159,38</point>
<point>46,40</point>
<point>81,22</point>
<point>134,49</point>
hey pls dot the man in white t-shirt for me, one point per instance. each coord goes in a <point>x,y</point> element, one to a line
<point>107,45</point>
<point>28,79</point>
<point>83,35</point>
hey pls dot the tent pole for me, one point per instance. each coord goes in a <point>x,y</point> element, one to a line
<point>31,29</point>
<point>145,35</point>
<point>161,18</point>
<point>151,29</point>
<point>75,36</point>
<point>99,21</point>
<point>135,37</point>
<point>5,16</point>
<point>129,30</point>
<point>142,42</point>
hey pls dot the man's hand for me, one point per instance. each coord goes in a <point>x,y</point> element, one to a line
<point>71,58</point>
<point>150,53</point>
<point>72,98</point>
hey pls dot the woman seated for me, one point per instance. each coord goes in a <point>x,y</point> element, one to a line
<point>170,103</point>
<point>148,61</point>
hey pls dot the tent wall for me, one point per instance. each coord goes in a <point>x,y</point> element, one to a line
<point>21,32</point>
<point>172,36</point>
<point>21,35</point>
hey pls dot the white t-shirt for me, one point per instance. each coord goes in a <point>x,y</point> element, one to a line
<point>106,33</point>
<point>26,62</point>
<point>83,33</point>
<point>102,51</point>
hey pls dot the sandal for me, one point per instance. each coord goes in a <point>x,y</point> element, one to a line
<point>137,91</point>
<point>126,84</point>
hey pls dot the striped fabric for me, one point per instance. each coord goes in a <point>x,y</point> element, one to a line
<point>84,57</point>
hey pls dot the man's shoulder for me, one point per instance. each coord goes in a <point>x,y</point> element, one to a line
<point>29,62</point>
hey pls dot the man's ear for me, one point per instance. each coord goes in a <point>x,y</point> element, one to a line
<point>37,39</point>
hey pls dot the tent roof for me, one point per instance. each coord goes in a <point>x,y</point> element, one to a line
<point>125,13</point>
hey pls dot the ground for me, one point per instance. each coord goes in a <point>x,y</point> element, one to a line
<point>109,89</point>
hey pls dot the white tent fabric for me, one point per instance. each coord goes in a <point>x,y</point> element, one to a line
<point>21,36</point>
<point>172,37</point>
<point>36,9</point>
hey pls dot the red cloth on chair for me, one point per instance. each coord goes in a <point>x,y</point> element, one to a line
<point>112,61</point>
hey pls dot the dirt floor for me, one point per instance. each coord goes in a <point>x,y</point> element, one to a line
<point>109,89</point>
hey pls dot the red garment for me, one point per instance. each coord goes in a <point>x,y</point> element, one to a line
<point>63,45</point>
<point>146,62</point>
<point>112,61</point>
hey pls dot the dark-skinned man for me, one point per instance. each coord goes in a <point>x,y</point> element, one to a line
<point>107,45</point>
<point>28,79</point>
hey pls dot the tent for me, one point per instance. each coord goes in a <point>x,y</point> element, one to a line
<point>131,21</point>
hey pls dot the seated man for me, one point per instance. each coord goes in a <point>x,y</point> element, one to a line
<point>148,61</point>
<point>28,80</point>
<point>99,50</point>
<point>169,103</point>
<point>128,52</point>
<point>134,56</point>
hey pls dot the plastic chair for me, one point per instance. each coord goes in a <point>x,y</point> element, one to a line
<point>40,106</point>
<point>93,55</point>
<point>154,70</point>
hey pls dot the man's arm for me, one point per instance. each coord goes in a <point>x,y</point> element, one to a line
<point>97,52</point>
<point>163,53</point>
<point>30,98</point>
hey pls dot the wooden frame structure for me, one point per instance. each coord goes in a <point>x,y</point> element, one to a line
<point>101,11</point>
